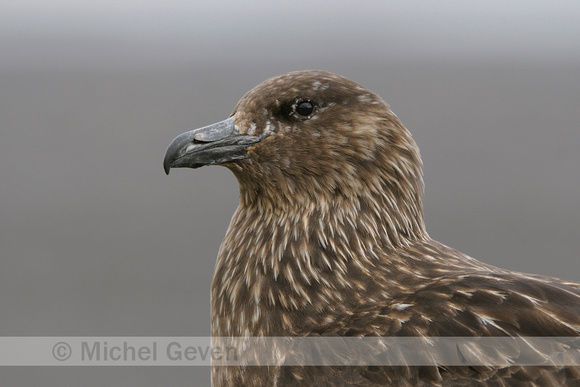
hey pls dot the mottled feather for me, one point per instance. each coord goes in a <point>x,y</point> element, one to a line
<point>329,240</point>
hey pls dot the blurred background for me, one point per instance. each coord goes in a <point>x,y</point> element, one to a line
<point>95,240</point>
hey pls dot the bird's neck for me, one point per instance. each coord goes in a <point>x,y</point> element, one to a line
<point>275,261</point>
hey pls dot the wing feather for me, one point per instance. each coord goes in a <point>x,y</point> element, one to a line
<point>479,304</point>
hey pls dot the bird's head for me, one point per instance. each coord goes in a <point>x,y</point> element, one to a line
<point>307,136</point>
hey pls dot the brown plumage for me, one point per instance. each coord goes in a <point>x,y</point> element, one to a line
<point>329,239</point>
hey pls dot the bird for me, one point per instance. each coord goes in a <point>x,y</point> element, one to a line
<point>329,240</point>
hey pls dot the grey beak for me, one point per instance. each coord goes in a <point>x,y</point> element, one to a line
<point>213,144</point>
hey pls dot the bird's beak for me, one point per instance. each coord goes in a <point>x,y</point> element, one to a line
<point>213,144</point>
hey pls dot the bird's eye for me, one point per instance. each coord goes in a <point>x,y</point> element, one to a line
<point>305,108</point>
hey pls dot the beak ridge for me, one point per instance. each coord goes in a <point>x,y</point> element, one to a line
<point>213,144</point>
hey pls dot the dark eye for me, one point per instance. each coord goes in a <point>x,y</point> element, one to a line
<point>305,108</point>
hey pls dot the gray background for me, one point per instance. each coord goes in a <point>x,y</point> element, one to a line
<point>96,240</point>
